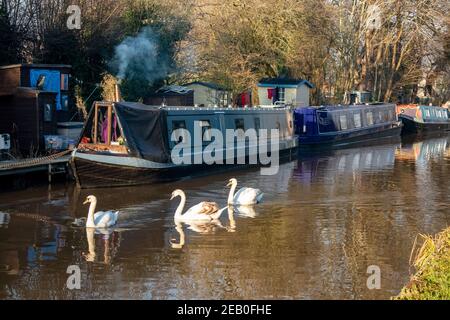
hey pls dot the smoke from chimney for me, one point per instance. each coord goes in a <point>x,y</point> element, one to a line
<point>140,58</point>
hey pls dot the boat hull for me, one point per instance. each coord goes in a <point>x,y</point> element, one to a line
<point>104,174</point>
<point>411,126</point>
<point>346,138</point>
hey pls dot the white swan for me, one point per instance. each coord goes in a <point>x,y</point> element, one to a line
<point>204,211</point>
<point>101,219</point>
<point>245,196</point>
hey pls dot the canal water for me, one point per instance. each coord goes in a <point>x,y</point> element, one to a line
<point>325,219</point>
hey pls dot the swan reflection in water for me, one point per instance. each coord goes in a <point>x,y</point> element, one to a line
<point>202,227</point>
<point>246,211</point>
<point>110,240</point>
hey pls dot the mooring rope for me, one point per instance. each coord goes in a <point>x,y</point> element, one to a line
<point>33,162</point>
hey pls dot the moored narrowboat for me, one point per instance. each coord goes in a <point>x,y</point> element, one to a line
<point>126,143</point>
<point>423,119</point>
<point>340,125</point>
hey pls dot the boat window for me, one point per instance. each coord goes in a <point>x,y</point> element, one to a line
<point>326,122</point>
<point>239,124</point>
<point>299,123</point>
<point>257,125</point>
<point>179,124</point>
<point>369,116</point>
<point>391,115</point>
<point>206,130</point>
<point>376,116</point>
<point>357,120</point>
<point>427,113</point>
<point>384,115</point>
<point>380,116</point>
<point>278,127</point>
<point>343,122</point>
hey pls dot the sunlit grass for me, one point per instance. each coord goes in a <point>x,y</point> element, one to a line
<point>432,264</point>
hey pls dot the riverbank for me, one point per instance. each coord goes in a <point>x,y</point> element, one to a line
<point>432,264</point>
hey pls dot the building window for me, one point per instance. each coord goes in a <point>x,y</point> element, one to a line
<point>64,103</point>
<point>343,122</point>
<point>48,113</point>
<point>282,95</point>
<point>64,82</point>
<point>224,99</point>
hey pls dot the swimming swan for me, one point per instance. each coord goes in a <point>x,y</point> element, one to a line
<point>245,196</point>
<point>204,211</point>
<point>101,219</point>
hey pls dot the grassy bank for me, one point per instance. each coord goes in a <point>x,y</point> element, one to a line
<point>432,264</point>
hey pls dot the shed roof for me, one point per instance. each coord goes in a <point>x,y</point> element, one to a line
<point>210,85</point>
<point>35,65</point>
<point>284,82</point>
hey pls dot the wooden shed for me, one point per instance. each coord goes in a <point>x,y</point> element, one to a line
<point>209,94</point>
<point>33,98</point>
<point>48,77</point>
<point>28,115</point>
<point>175,96</point>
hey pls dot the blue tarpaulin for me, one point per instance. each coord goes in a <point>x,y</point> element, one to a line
<point>52,82</point>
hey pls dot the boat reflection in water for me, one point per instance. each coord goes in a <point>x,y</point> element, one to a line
<point>338,161</point>
<point>422,150</point>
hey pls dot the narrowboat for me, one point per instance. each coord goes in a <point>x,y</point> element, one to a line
<point>423,119</point>
<point>341,125</point>
<point>125,143</point>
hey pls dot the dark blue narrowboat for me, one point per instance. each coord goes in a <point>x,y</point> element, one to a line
<point>423,119</point>
<point>339,125</point>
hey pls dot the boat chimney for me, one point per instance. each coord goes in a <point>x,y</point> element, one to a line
<point>117,94</point>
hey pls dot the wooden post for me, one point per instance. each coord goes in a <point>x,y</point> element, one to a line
<point>108,139</point>
<point>95,123</point>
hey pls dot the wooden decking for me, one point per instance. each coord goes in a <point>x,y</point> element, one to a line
<point>54,164</point>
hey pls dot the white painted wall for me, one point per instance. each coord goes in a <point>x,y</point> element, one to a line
<point>206,96</point>
<point>302,96</point>
<point>263,97</point>
<point>296,96</point>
